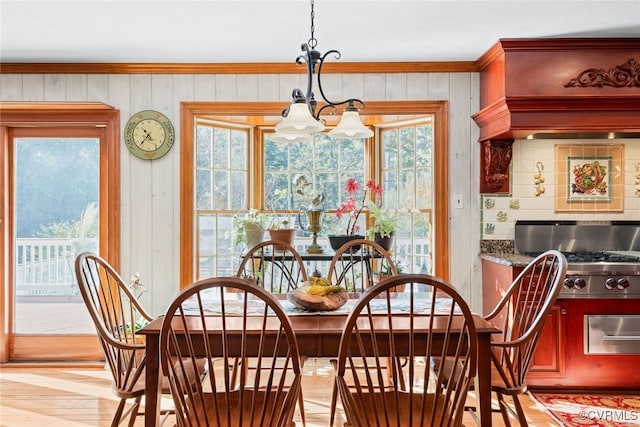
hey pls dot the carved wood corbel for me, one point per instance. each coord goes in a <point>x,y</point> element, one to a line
<point>495,161</point>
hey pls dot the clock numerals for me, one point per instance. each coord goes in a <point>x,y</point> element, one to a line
<point>149,134</point>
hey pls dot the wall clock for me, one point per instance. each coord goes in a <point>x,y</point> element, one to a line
<point>149,134</point>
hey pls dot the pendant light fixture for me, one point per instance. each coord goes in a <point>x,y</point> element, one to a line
<point>302,117</point>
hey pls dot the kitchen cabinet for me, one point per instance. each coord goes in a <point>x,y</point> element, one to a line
<point>561,360</point>
<point>548,362</point>
<point>553,85</point>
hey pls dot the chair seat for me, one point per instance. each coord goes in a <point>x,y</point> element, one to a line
<point>136,385</point>
<point>399,409</point>
<point>497,382</point>
<point>226,408</point>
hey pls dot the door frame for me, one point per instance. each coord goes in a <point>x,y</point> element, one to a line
<point>56,114</point>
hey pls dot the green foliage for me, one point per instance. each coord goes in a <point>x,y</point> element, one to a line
<point>86,227</point>
<point>56,178</point>
<point>385,268</point>
<point>384,222</point>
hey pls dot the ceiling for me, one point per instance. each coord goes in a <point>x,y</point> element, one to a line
<point>224,31</point>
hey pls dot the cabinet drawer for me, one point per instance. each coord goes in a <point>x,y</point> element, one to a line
<point>612,334</point>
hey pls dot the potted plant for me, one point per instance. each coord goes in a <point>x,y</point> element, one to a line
<point>387,271</point>
<point>280,230</point>
<point>384,225</point>
<point>249,228</point>
<point>351,209</point>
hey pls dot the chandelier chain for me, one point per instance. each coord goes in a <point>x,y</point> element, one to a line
<point>312,41</point>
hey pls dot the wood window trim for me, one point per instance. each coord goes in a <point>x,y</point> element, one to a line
<point>189,111</point>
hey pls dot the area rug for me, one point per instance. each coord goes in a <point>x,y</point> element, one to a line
<point>591,409</point>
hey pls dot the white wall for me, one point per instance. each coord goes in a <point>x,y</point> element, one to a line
<point>150,190</point>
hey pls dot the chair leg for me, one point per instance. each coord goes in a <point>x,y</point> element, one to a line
<point>504,410</point>
<point>115,422</point>
<point>134,411</point>
<point>334,396</point>
<point>301,407</point>
<point>522,419</point>
<point>334,404</point>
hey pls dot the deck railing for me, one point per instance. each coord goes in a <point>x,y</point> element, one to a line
<point>44,266</point>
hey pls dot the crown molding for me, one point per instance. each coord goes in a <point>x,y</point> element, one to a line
<point>233,68</point>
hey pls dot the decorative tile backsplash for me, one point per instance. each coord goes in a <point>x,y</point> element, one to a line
<point>533,167</point>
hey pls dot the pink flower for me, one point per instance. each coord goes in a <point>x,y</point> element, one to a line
<point>350,206</point>
<point>352,186</point>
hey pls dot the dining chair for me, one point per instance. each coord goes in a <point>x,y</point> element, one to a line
<point>274,265</point>
<point>117,316</point>
<point>436,322</point>
<point>277,267</point>
<point>354,264</point>
<point>225,318</point>
<point>521,314</point>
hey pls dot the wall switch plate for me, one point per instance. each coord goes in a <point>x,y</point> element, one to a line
<point>457,201</point>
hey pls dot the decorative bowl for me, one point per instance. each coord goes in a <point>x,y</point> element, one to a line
<point>329,302</point>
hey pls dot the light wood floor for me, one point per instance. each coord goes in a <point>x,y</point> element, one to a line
<point>73,396</point>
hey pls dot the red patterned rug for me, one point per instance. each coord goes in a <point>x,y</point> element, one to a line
<point>591,410</point>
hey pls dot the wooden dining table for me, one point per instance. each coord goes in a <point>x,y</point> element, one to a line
<point>318,335</point>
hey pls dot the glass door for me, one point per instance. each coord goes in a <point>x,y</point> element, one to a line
<point>55,193</point>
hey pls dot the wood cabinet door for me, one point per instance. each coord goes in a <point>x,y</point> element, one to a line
<point>548,359</point>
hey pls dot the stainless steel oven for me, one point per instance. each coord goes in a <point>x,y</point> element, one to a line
<point>612,334</point>
<point>603,263</point>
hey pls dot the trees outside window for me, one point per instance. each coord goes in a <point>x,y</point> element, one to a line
<point>226,185</point>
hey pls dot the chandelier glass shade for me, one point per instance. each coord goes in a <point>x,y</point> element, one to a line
<point>350,126</point>
<point>299,120</point>
<point>303,117</point>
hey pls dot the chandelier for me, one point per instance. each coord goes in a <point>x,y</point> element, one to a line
<point>302,117</point>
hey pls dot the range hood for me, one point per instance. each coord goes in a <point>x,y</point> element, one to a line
<point>556,88</point>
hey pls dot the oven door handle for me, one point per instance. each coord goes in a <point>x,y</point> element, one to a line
<point>621,338</point>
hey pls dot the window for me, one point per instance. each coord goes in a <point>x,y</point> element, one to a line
<point>406,153</point>
<point>234,167</point>
<point>221,190</point>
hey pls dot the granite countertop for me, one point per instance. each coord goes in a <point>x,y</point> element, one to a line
<point>509,259</point>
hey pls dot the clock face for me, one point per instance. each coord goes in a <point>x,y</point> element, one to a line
<point>149,134</point>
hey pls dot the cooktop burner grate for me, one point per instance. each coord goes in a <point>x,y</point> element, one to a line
<point>581,257</point>
<point>599,257</point>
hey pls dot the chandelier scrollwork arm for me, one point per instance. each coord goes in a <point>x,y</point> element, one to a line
<point>305,119</point>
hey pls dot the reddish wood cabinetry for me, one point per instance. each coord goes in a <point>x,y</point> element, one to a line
<point>561,360</point>
<point>549,358</point>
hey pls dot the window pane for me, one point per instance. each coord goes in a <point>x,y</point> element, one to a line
<point>389,148</point>
<point>221,143</point>
<point>57,184</point>
<point>239,146</point>
<point>204,184</point>
<point>204,146</point>
<point>221,189</point>
<point>407,147</point>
